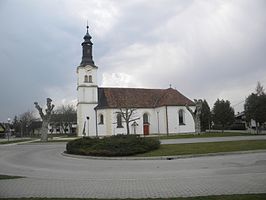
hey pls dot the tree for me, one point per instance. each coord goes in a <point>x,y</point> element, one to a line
<point>45,118</point>
<point>65,116</point>
<point>259,89</point>
<point>223,113</point>
<point>16,125</point>
<point>255,107</point>
<point>205,117</point>
<point>128,115</point>
<point>25,119</point>
<point>196,114</point>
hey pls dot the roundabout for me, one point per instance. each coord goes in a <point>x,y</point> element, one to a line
<point>50,174</point>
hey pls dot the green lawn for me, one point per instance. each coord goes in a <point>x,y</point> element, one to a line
<point>207,147</point>
<point>203,135</point>
<point>14,141</point>
<point>220,197</point>
<point>9,177</point>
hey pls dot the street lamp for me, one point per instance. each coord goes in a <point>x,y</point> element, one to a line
<point>9,128</point>
<point>21,131</point>
<point>88,124</point>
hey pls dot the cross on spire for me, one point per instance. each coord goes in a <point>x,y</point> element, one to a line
<point>87,27</point>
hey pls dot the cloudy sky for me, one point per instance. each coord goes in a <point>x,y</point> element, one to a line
<point>204,48</point>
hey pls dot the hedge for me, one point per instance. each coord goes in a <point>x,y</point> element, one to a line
<point>118,145</point>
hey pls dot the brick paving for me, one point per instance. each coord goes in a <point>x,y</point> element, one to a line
<point>139,188</point>
<point>49,174</point>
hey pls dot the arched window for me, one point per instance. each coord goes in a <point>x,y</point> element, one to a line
<point>145,118</point>
<point>101,119</point>
<point>119,120</point>
<point>90,79</point>
<point>86,79</point>
<point>181,117</point>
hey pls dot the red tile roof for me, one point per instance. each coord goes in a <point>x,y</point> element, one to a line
<point>140,98</point>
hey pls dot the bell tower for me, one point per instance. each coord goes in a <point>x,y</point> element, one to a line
<point>87,88</point>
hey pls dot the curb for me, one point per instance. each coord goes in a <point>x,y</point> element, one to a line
<point>163,157</point>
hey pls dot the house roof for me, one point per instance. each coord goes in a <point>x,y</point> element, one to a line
<point>2,128</point>
<point>140,98</point>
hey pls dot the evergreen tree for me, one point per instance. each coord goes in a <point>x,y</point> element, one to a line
<point>223,113</point>
<point>16,125</point>
<point>205,117</point>
<point>255,107</point>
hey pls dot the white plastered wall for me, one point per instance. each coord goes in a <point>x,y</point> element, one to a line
<point>157,119</point>
<point>87,100</point>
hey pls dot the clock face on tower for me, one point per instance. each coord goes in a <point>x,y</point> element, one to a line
<point>88,51</point>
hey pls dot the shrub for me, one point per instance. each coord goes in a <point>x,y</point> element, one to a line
<point>238,126</point>
<point>118,145</point>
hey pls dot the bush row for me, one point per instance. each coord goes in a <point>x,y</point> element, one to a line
<point>118,145</point>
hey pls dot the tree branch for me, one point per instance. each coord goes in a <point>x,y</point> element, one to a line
<point>39,109</point>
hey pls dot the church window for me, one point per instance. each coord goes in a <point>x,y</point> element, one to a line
<point>181,117</point>
<point>90,79</point>
<point>101,119</point>
<point>86,79</point>
<point>119,120</point>
<point>145,118</point>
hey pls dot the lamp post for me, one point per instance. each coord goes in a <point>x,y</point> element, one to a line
<point>9,128</point>
<point>88,124</point>
<point>27,130</point>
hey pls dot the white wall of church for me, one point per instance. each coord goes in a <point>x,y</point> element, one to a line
<point>173,122</point>
<point>87,100</point>
<point>161,117</point>
<point>89,71</point>
<point>157,120</point>
<point>84,111</point>
<point>87,94</point>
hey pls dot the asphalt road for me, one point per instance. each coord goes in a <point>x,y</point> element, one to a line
<point>50,174</point>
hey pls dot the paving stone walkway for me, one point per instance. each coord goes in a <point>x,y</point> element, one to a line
<point>49,174</point>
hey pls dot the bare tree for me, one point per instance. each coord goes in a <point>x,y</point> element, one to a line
<point>24,121</point>
<point>259,89</point>
<point>65,116</point>
<point>196,114</point>
<point>45,118</point>
<point>128,116</point>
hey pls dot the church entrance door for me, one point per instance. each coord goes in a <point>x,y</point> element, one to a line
<point>146,124</point>
<point>146,129</point>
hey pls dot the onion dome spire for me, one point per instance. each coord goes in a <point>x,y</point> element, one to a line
<point>87,49</point>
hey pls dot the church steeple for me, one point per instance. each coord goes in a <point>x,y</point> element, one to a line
<point>87,50</point>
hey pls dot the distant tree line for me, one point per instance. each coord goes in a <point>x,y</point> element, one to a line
<point>26,123</point>
<point>222,114</point>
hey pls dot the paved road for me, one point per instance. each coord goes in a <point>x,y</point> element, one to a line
<point>49,174</point>
<point>213,139</point>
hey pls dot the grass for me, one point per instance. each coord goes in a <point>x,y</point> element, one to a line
<point>9,177</point>
<point>14,141</point>
<point>219,197</point>
<point>203,135</point>
<point>204,148</point>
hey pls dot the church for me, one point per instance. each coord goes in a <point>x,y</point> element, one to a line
<point>101,110</point>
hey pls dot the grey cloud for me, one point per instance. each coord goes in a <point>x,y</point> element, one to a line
<point>206,49</point>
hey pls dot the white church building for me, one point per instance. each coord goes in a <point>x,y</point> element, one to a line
<point>156,111</point>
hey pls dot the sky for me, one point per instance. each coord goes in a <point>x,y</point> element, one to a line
<point>206,49</point>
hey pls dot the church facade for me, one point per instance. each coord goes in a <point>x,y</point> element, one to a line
<point>101,110</point>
